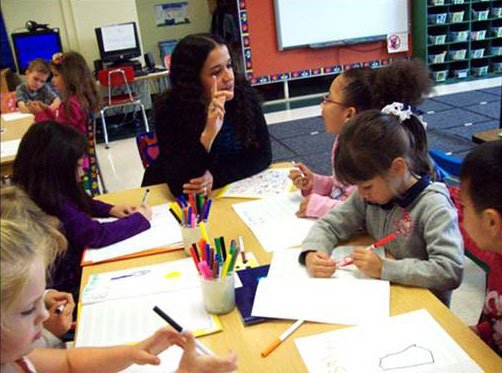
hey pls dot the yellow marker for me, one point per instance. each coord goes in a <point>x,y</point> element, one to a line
<point>172,275</point>
<point>227,263</point>
<point>203,230</point>
<point>177,210</point>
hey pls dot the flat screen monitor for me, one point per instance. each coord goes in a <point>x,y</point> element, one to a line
<point>38,44</point>
<point>118,42</point>
<point>166,48</point>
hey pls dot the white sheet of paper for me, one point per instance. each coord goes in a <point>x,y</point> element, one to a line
<point>176,275</point>
<point>409,343</point>
<point>15,115</point>
<point>273,221</point>
<point>285,264</point>
<point>129,283</point>
<point>271,182</point>
<point>169,361</point>
<point>344,301</point>
<point>164,231</point>
<point>9,148</point>
<point>131,320</point>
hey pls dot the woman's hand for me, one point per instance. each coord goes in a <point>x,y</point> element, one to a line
<point>60,306</point>
<point>192,362</point>
<point>36,106</point>
<point>368,262</point>
<point>302,210</point>
<point>319,264</point>
<point>215,115</point>
<point>302,177</point>
<point>123,210</point>
<point>203,184</point>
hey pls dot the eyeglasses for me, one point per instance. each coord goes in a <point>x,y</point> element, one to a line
<point>325,99</point>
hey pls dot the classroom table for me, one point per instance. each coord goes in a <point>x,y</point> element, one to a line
<point>249,341</point>
<point>13,130</point>
<point>486,136</point>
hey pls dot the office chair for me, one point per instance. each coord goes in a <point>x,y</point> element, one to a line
<point>148,147</point>
<point>119,77</point>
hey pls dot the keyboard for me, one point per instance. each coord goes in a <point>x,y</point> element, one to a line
<point>140,73</point>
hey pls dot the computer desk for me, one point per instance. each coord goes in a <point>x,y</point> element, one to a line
<point>13,130</point>
<point>249,341</point>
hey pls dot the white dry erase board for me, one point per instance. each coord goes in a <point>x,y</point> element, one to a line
<point>324,23</point>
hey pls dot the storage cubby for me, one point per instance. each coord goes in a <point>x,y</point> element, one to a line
<point>458,39</point>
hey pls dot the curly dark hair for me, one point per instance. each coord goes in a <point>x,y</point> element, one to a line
<point>405,81</point>
<point>187,94</point>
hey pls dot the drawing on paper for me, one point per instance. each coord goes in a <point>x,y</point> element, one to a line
<point>411,356</point>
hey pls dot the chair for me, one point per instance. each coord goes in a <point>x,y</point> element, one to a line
<point>8,102</point>
<point>92,174</point>
<point>450,164</point>
<point>115,78</point>
<point>148,147</point>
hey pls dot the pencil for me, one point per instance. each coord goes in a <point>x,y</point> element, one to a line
<point>272,346</point>
<point>202,349</point>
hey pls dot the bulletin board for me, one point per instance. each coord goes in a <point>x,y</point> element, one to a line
<point>265,63</point>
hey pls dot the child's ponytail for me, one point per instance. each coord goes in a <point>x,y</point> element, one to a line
<point>415,128</point>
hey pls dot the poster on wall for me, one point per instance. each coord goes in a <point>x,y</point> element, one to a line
<point>171,14</point>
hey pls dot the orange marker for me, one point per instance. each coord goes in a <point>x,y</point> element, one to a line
<point>271,347</point>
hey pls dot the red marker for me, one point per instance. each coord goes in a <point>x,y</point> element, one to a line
<point>345,261</point>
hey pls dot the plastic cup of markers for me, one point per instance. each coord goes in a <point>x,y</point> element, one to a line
<point>190,235</point>
<point>218,294</point>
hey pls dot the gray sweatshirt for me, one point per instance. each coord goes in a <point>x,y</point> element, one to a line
<point>429,248</point>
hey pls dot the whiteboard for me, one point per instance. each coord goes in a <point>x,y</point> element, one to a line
<point>318,23</point>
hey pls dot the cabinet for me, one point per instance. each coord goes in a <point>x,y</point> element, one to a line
<point>458,39</point>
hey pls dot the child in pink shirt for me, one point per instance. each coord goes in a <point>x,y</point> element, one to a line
<point>351,92</point>
<point>79,93</point>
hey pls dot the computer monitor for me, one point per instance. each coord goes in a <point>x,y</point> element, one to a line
<point>118,43</point>
<point>166,48</point>
<point>38,44</point>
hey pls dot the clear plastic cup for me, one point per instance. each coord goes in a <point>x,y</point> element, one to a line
<point>218,294</point>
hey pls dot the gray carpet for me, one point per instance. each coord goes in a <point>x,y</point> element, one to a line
<point>451,119</point>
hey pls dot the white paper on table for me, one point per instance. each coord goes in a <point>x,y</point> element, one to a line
<point>128,283</point>
<point>285,264</point>
<point>9,148</point>
<point>169,362</point>
<point>403,343</point>
<point>133,282</point>
<point>344,301</point>
<point>273,221</point>
<point>271,182</point>
<point>164,231</point>
<point>7,117</point>
<point>131,320</point>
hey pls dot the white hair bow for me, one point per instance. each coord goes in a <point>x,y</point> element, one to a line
<point>396,108</point>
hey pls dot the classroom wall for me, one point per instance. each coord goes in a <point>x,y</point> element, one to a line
<point>76,19</point>
<point>200,21</point>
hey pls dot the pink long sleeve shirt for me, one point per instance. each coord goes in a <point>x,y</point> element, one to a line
<point>327,192</point>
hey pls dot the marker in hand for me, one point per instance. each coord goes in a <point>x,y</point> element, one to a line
<point>345,261</point>
<point>145,197</point>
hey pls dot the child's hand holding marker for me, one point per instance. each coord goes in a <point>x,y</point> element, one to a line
<point>302,177</point>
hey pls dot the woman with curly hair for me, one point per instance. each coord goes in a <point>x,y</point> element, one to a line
<point>210,126</point>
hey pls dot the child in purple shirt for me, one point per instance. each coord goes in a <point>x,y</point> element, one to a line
<point>48,167</point>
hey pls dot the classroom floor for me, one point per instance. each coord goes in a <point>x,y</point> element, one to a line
<point>122,168</point>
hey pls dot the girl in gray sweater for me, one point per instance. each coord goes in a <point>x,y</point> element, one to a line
<point>385,155</point>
